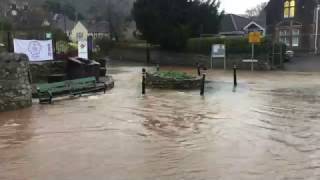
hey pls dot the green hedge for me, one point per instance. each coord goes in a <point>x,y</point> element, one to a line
<point>236,45</point>
<point>174,75</point>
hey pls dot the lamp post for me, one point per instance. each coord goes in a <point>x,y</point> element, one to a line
<point>316,30</point>
<point>2,29</point>
<point>14,14</point>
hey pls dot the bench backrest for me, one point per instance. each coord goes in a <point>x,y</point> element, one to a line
<point>58,87</point>
<point>53,87</point>
<point>83,83</point>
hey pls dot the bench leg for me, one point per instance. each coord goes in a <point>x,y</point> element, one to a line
<point>40,101</point>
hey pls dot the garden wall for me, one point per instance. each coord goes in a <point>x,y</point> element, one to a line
<point>154,80</point>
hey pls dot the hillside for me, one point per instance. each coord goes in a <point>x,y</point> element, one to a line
<point>83,6</point>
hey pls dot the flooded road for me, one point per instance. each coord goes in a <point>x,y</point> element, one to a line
<point>267,128</point>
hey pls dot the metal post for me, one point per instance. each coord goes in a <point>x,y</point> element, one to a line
<point>252,57</point>
<point>90,47</point>
<point>235,83</point>
<point>281,55</point>
<point>225,63</point>
<point>225,56</point>
<point>54,43</point>
<point>198,69</point>
<point>273,53</point>
<point>9,41</point>
<point>2,30</point>
<point>200,36</point>
<point>144,74</point>
<point>203,83</point>
<point>317,29</point>
<point>148,52</point>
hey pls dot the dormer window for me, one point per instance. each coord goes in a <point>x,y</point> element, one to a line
<point>289,8</point>
<point>13,6</point>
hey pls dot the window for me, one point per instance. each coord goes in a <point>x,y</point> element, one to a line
<point>79,36</point>
<point>290,37</point>
<point>292,8</point>
<point>284,37</point>
<point>289,8</point>
<point>295,37</point>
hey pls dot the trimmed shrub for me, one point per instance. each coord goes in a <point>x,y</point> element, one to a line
<point>174,75</point>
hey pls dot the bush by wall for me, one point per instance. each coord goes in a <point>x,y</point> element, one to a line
<point>235,45</point>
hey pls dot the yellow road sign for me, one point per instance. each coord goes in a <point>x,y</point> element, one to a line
<point>254,37</point>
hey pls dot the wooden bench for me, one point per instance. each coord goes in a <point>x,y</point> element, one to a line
<point>84,85</point>
<point>47,92</point>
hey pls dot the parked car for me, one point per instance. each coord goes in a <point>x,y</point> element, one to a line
<point>288,55</point>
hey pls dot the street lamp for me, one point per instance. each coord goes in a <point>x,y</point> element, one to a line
<point>316,30</point>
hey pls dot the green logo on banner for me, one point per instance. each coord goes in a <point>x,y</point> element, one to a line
<point>49,35</point>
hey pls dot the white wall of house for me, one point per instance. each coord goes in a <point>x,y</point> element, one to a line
<point>100,35</point>
<point>79,32</point>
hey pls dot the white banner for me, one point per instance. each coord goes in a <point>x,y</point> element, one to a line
<point>83,49</point>
<point>36,50</point>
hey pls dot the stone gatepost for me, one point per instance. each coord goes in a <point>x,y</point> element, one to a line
<point>15,85</point>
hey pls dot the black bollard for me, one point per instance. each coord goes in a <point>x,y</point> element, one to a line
<point>203,83</point>
<point>235,83</point>
<point>198,68</point>
<point>9,41</point>
<point>144,74</point>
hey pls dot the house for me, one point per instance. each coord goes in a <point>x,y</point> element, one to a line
<point>295,23</point>
<point>235,25</point>
<point>95,29</point>
<point>15,11</point>
<point>11,8</point>
<point>22,15</point>
<point>62,22</point>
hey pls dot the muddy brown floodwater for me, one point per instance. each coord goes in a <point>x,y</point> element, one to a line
<point>267,128</point>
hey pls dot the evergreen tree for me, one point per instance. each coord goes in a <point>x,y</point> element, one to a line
<point>171,22</point>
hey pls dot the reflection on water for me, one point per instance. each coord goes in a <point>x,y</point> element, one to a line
<point>267,128</point>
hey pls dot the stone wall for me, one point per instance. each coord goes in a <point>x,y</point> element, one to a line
<point>186,59</point>
<point>155,81</point>
<point>41,70</point>
<point>15,88</point>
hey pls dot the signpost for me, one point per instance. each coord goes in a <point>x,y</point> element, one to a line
<point>218,51</point>
<point>254,38</point>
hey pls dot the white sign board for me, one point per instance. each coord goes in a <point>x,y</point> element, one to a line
<point>250,60</point>
<point>83,49</point>
<point>218,51</point>
<point>36,50</point>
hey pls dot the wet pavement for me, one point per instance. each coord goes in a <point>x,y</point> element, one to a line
<point>266,128</point>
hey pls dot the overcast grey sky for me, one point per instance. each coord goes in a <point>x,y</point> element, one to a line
<point>239,6</point>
